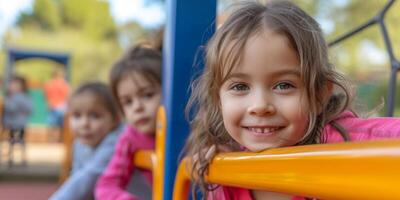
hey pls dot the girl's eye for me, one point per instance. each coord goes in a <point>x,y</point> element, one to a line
<point>148,95</point>
<point>283,86</point>
<point>76,114</point>
<point>126,102</point>
<point>94,115</point>
<point>240,87</point>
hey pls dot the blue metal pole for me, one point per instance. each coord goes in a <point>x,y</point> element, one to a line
<point>9,71</point>
<point>190,23</point>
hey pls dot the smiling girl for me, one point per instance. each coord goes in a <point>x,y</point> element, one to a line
<point>268,83</point>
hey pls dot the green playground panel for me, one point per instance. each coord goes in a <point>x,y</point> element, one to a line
<point>39,111</point>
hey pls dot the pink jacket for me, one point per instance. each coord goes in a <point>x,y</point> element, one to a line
<point>359,129</point>
<point>111,185</point>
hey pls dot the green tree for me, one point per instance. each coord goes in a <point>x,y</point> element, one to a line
<point>92,16</point>
<point>100,24</point>
<point>46,12</point>
<point>87,31</point>
<point>75,12</point>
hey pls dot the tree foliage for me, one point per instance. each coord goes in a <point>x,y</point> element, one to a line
<point>47,14</point>
<point>83,28</point>
<point>92,16</point>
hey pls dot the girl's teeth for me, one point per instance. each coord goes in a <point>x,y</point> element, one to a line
<point>263,130</point>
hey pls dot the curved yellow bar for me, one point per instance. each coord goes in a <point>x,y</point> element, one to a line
<point>144,159</point>
<point>363,170</point>
<point>182,181</point>
<point>68,140</point>
<point>158,169</point>
<point>154,160</point>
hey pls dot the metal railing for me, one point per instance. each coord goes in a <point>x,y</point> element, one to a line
<point>394,62</point>
<point>359,170</point>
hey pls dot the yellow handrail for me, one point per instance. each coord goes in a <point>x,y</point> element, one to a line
<point>182,181</point>
<point>359,170</point>
<point>68,140</point>
<point>154,160</point>
<point>158,173</point>
<point>144,159</point>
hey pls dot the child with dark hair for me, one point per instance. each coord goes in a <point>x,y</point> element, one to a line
<point>17,109</point>
<point>94,119</point>
<point>136,83</point>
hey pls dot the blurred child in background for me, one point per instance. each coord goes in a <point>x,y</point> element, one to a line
<point>94,120</point>
<point>136,82</point>
<point>56,91</point>
<point>17,109</point>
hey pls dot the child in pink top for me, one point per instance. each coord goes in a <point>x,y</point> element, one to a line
<point>136,83</point>
<point>268,83</point>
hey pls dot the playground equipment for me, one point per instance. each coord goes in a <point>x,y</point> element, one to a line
<point>66,165</point>
<point>189,25</point>
<point>37,95</point>
<point>394,62</point>
<point>326,171</point>
<point>14,55</point>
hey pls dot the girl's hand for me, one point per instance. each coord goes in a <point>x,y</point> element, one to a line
<point>213,150</point>
<point>209,154</point>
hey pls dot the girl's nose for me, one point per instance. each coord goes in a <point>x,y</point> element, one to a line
<point>261,106</point>
<point>138,105</point>
<point>84,121</point>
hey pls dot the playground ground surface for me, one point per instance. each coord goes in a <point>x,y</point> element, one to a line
<point>36,180</point>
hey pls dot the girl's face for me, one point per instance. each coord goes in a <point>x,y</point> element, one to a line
<point>90,121</point>
<point>15,86</point>
<point>139,99</point>
<point>263,101</point>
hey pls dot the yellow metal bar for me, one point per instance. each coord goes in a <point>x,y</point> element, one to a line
<point>158,169</point>
<point>362,170</point>
<point>144,159</point>
<point>182,181</point>
<point>154,160</point>
<point>68,139</point>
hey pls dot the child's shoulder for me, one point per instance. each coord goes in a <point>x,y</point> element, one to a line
<point>125,133</point>
<point>131,137</point>
<point>363,128</point>
<point>230,193</point>
<point>112,137</point>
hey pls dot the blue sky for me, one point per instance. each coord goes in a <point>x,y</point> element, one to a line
<point>150,15</point>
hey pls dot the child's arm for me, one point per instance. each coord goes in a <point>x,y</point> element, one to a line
<point>80,186</point>
<point>27,105</point>
<point>113,182</point>
<point>10,105</point>
<point>18,103</point>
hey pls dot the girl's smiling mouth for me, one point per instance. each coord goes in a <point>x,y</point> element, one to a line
<point>263,130</point>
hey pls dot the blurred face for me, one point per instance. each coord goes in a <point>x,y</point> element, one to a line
<point>139,99</point>
<point>15,86</point>
<point>90,121</point>
<point>263,101</point>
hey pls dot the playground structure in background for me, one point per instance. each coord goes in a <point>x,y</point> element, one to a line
<point>40,108</point>
<point>40,111</point>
